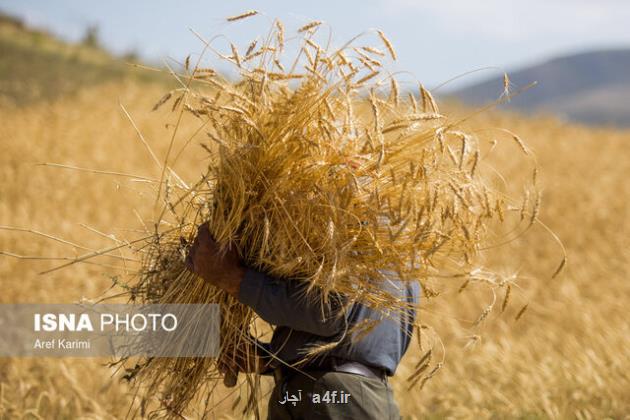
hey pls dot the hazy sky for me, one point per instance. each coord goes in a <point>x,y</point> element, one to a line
<point>435,39</point>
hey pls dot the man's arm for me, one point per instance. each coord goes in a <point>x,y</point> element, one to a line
<point>285,303</point>
<point>279,302</point>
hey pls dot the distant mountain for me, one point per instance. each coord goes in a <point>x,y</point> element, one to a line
<point>591,87</point>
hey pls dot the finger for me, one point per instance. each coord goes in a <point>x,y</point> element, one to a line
<point>230,379</point>
<point>190,258</point>
<point>189,261</point>
<point>229,370</point>
<point>203,230</point>
<point>195,242</point>
<point>222,366</point>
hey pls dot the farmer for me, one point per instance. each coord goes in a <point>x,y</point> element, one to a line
<point>349,381</point>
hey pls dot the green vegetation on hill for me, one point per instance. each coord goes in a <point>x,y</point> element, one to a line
<point>36,66</point>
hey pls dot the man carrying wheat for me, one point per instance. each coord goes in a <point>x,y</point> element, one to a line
<point>351,380</point>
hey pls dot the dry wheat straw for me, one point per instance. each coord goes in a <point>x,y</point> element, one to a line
<point>388,44</point>
<point>242,16</point>
<point>506,299</point>
<point>318,174</point>
<point>521,312</point>
<point>310,26</point>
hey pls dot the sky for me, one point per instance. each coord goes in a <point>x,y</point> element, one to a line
<point>436,40</point>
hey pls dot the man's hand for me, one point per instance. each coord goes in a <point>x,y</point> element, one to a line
<point>224,271</point>
<point>246,359</point>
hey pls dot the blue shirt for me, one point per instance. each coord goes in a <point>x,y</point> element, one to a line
<point>302,321</point>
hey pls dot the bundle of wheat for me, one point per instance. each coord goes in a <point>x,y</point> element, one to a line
<point>319,171</point>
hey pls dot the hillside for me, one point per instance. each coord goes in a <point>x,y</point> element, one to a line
<point>592,87</point>
<point>34,65</point>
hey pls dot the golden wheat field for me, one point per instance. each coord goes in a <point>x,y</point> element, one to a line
<point>568,356</point>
